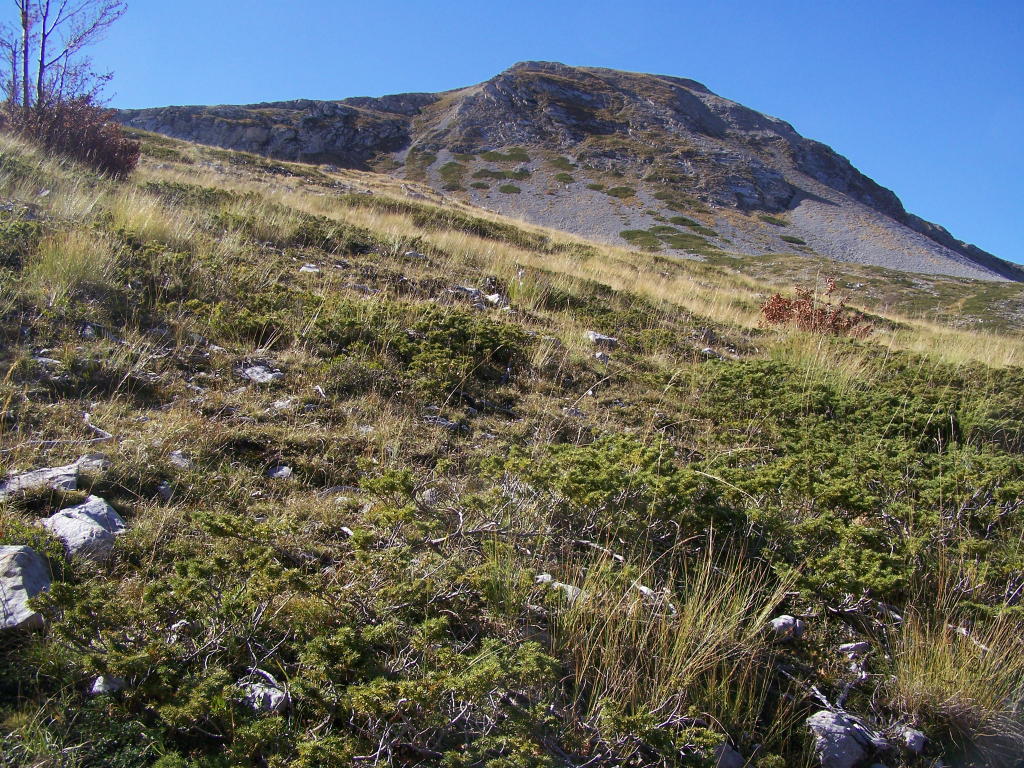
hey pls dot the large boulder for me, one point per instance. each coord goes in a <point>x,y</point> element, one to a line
<point>87,530</point>
<point>839,740</point>
<point>23,575</point>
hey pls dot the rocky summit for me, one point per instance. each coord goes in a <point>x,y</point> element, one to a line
<point>656,162</point>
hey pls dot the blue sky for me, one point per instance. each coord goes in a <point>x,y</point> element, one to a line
<point>926,97</point>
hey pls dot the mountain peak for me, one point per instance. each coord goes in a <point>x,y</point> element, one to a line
<point>642,150</point>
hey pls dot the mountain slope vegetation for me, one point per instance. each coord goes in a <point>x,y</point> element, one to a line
<point>408,483</point>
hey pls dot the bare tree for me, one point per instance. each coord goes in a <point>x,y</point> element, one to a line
<point>47,45</point>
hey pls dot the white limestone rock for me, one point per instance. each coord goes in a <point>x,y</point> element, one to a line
<point>87,530</point>
<point>23,575</point>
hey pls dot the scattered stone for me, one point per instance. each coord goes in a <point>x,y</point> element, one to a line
<point>267,696</point>
<point>600,340</point>
<point>787,627</point>
<point>282,405</point>
<point>602,357</point>
<point>56,478</point>
<point>839,741</point>
<point>726,756</point>
<point>23,575</point>
<point>164,490</point>
<point>46,362</point>
<point>93,463</point>
<point>709,353</point>
<point>105,684</point>
<point>260,373</point>
<point>414,255</point>
<point>179,459</point>
<point>441,421</point>
<point>87,530</point>
<point>280,472</point>
<point>571,593</point>
<point>912,740</point>
<point>495,299</point>
<point>573,411</point>
<point>855,649</point>
<point>312,269</point>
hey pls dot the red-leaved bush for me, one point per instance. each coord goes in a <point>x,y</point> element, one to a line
<point>79,129</point>
<point>819,315</point>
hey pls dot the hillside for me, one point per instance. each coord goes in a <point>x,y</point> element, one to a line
<point>652,161</point>
<point>322,468</point>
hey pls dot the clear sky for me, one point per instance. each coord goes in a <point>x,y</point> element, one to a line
<point>924,96</point>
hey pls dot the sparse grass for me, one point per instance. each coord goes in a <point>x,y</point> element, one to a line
<point>793,239</point>
<point>564,178</point>
<point>509,189</point>
<point>562,164</point>
<point>773,220</point>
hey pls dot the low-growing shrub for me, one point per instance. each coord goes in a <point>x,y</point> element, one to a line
<point>817,314</point>
<point>81,130</point>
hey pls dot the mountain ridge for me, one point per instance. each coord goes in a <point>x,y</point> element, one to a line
<point>678,148</point>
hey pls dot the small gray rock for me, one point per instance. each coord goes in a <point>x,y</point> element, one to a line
<point>602,357</point>
<point>164,490</point>
<point>23,575</point>
<point>855,649</point>
<point>572,593</point>
<point>267,695</point>
<point>839,741</point>
<point>787,627</point>
<point>912,740</point>
<point>726,756</point>
<point>261,373</point>
<point>311,269</point>
<point>179,459</point>
<point>280,472</point>
<point>107,684</point>
<point>600,340</point>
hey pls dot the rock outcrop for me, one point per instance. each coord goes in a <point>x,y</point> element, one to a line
<point>677,146</point>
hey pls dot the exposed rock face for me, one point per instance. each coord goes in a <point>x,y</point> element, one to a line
<point>23,575</point>
<point>345,132</point>
<point>665,135</point>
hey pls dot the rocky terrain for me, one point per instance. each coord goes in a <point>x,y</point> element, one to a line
<point>658,162</point>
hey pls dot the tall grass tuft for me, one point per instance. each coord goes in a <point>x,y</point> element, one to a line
<point>675,650</point>
<point>66,263</point>
<point>967,686</point>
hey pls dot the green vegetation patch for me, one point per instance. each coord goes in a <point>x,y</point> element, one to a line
<point>621,192</point>
<point>452,174</point>
<point>509,189</point>
<point>773,220</point>
<point>793,239</point>
<point>491,173</point>
<point>514,155</point>
<point>562,164</point>
<point>641,238</point>
<point>480,185</point>
<point>564,178</point>
<point>596,187</point>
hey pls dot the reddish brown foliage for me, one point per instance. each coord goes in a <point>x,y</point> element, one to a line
<point>81,130</point>
<point>819,315</point>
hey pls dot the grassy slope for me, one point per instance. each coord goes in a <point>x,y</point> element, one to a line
<point>390,581</point>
